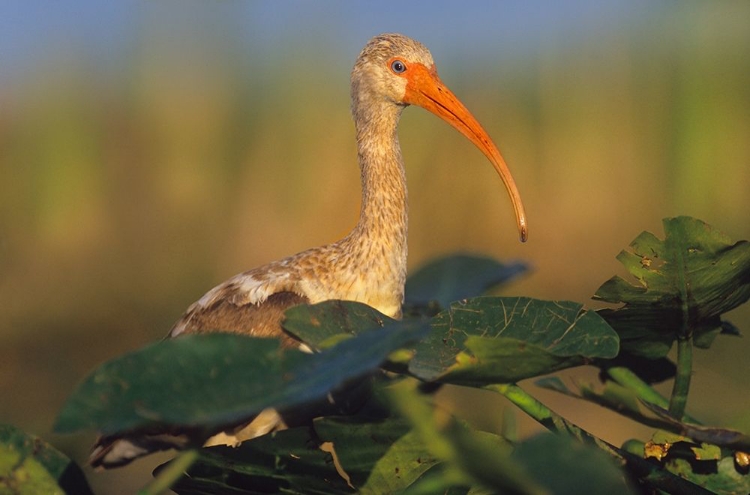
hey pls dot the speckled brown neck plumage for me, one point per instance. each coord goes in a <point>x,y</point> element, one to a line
<point>382,173</point>
<point>378,242</point>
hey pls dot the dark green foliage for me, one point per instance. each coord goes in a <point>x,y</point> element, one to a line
<point>396,440</point>
<point>379,455</point>
<point>288,461</point>
<point>330,321</point>
<point>216,380</point>
<point>685,283</point>
<point>499,340</point>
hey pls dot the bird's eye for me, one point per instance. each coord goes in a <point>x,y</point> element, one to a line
<point>398,66</point>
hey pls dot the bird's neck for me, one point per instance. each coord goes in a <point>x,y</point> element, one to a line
<point>379,239</point>
<point>383,215</point>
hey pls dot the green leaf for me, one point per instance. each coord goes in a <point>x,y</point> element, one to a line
<point>29,465</point>
<point>504,339</point>
<point>288,461</point>
<point>684,283</point>
<point>216,380</point>
<point>503,360</point>
<point>568,467</point>
<point>376,455</point>
<point>460,276</point>
<point>320,324</point>
<point>380,456</point>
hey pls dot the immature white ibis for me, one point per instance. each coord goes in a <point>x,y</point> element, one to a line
<point>369,265</point>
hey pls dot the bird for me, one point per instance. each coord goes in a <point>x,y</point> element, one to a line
<point>391,73</point>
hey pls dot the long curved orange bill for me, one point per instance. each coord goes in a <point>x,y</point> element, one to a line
<point>424,88</point>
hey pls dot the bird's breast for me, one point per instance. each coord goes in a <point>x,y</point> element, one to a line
<point>384,295</point>
<point>380,288</point>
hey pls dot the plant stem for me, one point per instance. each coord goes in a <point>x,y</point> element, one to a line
<point>171,473</point>
<point>678,400</point>
<point>545,416</point>
<point>632,382</point>
<point>650,474</point>
<point>625,377</point>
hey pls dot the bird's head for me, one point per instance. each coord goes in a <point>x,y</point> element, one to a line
<point>397,71</point>
<point>380,73</point>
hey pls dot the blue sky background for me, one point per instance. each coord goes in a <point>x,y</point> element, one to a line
<point>102,31</point>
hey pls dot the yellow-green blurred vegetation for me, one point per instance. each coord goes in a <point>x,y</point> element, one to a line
<point>128,191</point>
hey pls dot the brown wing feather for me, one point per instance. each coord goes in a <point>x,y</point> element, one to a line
<point>257,320</point>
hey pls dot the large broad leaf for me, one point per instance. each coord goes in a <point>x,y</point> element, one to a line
<point>215,380</point>
<point>30,465</point>
<point>322,324</point>
<point>457,277</point>
<point>504,339</point>
<point>379,456</point>
<point>288,461</point>
<point>684,283</point>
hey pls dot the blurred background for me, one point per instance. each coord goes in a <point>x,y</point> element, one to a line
<point>149,150</point>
